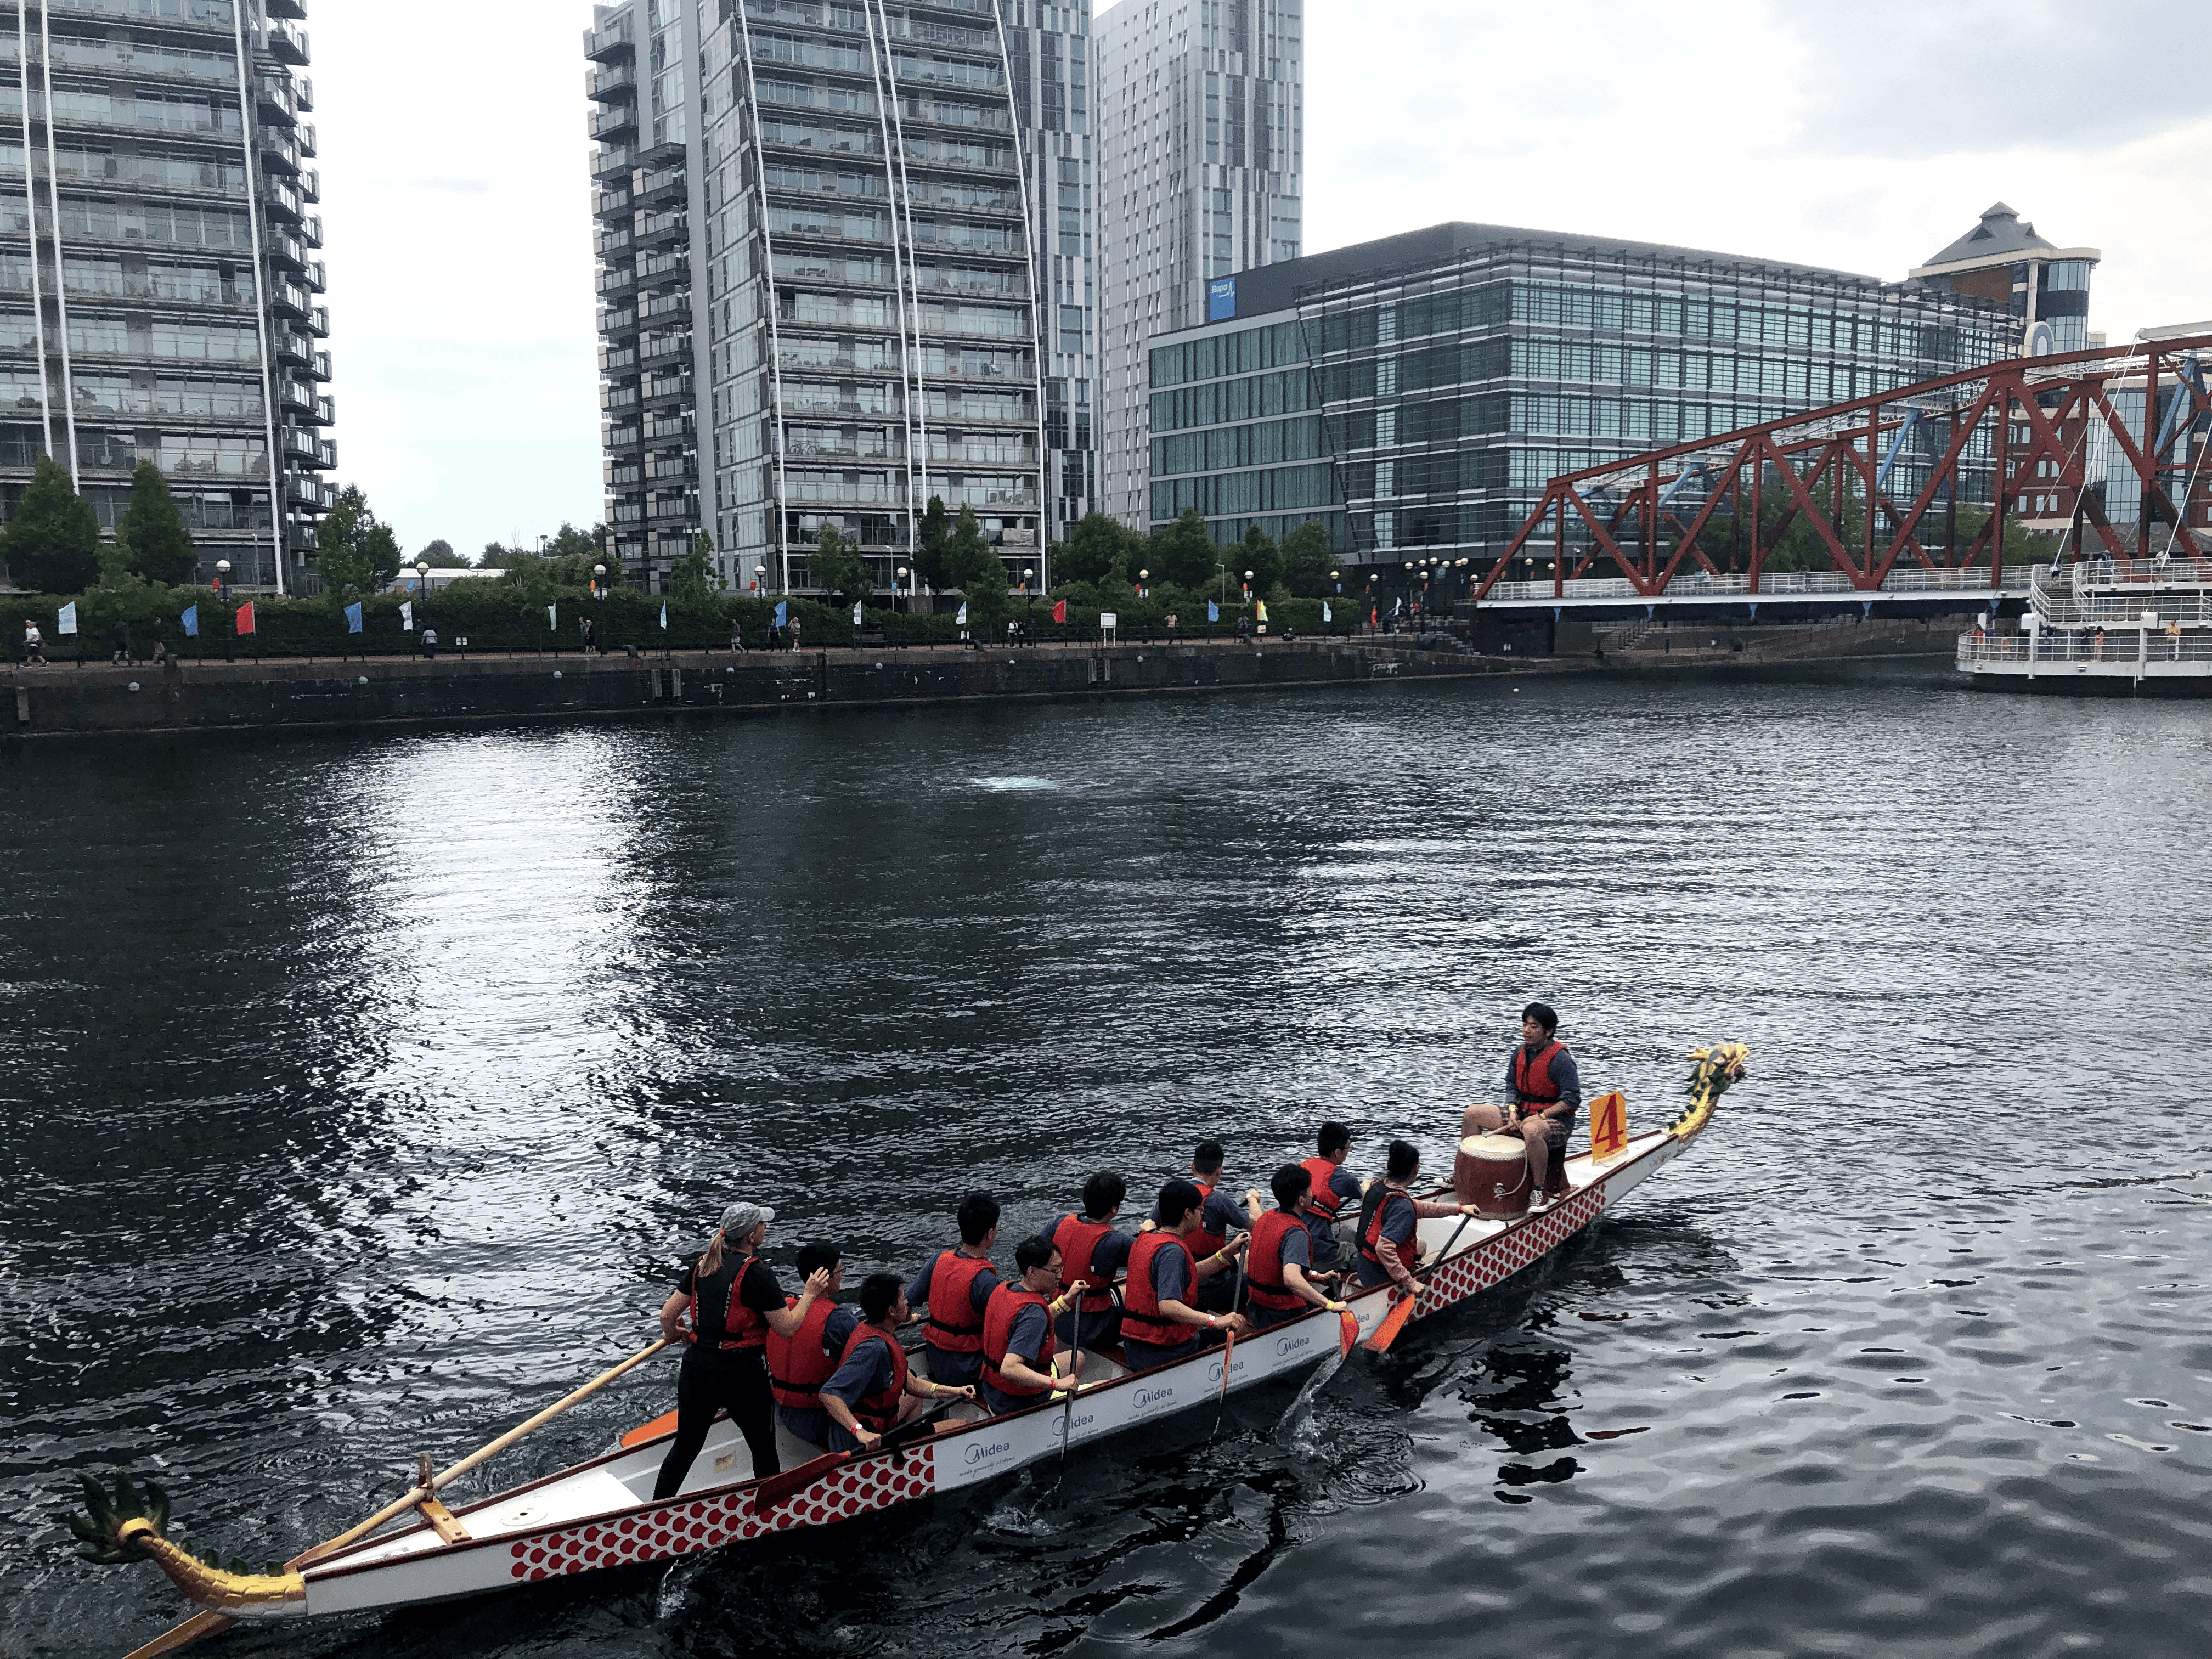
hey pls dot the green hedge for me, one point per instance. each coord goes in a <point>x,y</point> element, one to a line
<point>497,615</point>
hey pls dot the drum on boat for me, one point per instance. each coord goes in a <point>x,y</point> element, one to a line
<point>1491,1173</point>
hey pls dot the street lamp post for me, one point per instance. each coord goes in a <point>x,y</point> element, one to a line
<point>899,587</point>
<point>599,591</point>
<point>222,592</point>
<point>422,595</point>
<point>1028,605</point>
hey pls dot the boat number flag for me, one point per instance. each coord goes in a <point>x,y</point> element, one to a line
<point>1608,1125</point>
<point>1212,611</point>
<point>352,618</point>
<point>191,622</point>
<point>66,623</point>
<point>779,612</point>
<point>1326,615</point>
<point>1059,611</point>
<point>246,618</point>
<point>407,616</point>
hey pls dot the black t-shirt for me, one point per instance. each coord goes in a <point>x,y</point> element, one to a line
<point>755,1287</point>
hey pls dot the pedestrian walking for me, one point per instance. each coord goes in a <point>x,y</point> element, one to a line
<point>34,645</point>
<point>794,633</point>
<point>121,644</point>
<point>737,638</point>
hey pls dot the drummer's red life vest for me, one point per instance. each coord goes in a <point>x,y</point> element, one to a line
<point>1532,1078</point>
<point>954,1324</point>
<point>1078,1241</point>
<point>1008,1300</point>
<point>1375,1243</point>
<point>1204,1243</point>
<point>878,1412</point>
<point>720,1322</point>
<point>1141,1318</point>
<point>797,1366</point>
<point>1263,1272</point>
<point>1325,1199</point>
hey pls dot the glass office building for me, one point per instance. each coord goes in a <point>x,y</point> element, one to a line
<point>1419,392</point>
<point>161,288</point>
<point>817,224</point>
<point>2044,288</point>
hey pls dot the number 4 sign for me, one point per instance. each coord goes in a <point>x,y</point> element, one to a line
<point>1608,1125</point>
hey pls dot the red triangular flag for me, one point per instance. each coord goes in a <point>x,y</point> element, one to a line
<point>246,617</point>
<point>1059,611</point>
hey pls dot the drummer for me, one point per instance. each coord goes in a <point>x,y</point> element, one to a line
<point>1546,1092</point>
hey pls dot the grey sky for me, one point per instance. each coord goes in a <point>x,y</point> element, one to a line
<point>1862,137</point>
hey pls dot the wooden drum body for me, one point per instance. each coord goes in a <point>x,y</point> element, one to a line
<point>1491,1173</point>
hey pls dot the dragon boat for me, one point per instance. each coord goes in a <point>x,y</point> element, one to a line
<point>601,1513</point>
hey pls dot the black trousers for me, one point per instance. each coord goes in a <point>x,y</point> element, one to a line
<point>738,1384</point>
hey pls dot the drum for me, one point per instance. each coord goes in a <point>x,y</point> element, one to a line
<point>1491,1173</point>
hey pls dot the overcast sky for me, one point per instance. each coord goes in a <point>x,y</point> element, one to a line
<point>1863,137</point>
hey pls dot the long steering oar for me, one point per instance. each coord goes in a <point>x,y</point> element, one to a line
<point>1394,1320</point>
<point>207,1623</point>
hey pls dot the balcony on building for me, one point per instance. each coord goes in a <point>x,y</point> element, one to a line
<point>662,390</point>
<point>307,131</point>
<point>281,196</point>
<point>656,232</point>
<point>665,348</point>
<point>276,101</point>
<point>611,124</point>
<point>614,162</point>
<point>617,281</point>
<point>286,42</point>
<point>311,185</point>
<point>279,152</point>
<point>611,42</point>
<point>319,322</point>
<point>615,80</point>
<point>287,252</point>
<point>657,187</point>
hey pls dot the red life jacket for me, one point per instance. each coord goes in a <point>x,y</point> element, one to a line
<point>1532,1078</point>
<point>1325,1199</point>
<point>733,1326</point>
<point>878,1412</point>
<point>797,1366</point>
<point>1202,1243</point>
<point>1141,1318</point>
<point>954,1324</point>
<point>1263,1271</point>
<point>1374,1243</point>
<point>1079,1240</point>
<point>1009,1299</point>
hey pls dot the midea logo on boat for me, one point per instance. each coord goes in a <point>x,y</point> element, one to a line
<point>974,1455</point>
<point>1290,1344</point>
<point>1145,1397</point>
<point>1213,1371</point>
<point>1057,1425</point>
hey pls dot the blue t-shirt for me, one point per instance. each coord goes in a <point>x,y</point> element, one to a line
<point>1171,1275</point>
<point>1322,1228</point>
<point>1026,1335</point>
<point>870,1370</point>
<point>812,1423</point>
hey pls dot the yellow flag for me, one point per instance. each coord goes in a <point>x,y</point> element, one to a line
<point>1263,609</point>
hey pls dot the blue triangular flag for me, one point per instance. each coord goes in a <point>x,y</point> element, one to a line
<point>1212,611</point>
<point>352,618</point>
<point>961,620</point>
<point>664,613</point>
<point>779,613</point>
<point>191,620</point>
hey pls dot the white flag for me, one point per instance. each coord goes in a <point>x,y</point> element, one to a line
<point>552,616</point>
<point>407,616</point>
<point>961,620</point>
<point>66,623</point>
<point>1326,615</point>
<point>856,613</point>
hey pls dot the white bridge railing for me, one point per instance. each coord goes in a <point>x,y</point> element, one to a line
<point>1773,584</point>
<point>2062,600</point>
<point>2123,650</point>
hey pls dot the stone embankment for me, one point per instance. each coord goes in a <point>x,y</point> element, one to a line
<point>201,696</point>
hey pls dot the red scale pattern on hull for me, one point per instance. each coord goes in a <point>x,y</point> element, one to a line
<point>687,1527</point>
<point>1479,1269</point>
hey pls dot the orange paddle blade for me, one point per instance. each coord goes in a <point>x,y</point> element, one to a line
<point>665,1424</point>
<point>1227,1353</point>
<point>1347,1334</point>
<point>1393,1322</point>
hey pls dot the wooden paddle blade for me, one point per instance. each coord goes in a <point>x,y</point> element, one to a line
<point>178,1636</point>
<point>777,1487</point>
<point>1347,1333</point>
<point>664,1423</point>
<point>1228,1353</point>
<point>1393,1322</point>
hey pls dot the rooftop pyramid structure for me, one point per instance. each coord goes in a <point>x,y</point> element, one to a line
<point>2000,233</point>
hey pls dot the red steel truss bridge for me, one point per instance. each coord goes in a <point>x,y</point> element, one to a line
<point>1904,493</point>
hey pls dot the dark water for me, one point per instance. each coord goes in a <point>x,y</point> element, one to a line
<point>361,1094</point>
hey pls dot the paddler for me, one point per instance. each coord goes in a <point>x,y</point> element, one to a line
<point>1541,1082</point>
<point>799,1363</point>
<point>1334,1187</point>
<point>1222,1223</point>
<point>1091,1256</point>
<point>872,1390</point>
<point>1160,1321</point>
<point>731,1302</point>
<point>1390,1237</point>
<point>1278,1275</point>
<point>955,1286</point>
<point>1022,1363</point>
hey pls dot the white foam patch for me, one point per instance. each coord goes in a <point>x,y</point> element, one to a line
<point>1016,783</point>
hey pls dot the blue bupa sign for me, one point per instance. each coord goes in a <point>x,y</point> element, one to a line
<point>1220,298</point>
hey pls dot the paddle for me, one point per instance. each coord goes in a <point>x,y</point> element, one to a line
<point>1236,1307</point>
<point>1394,1320</point>
<point>207,1623</point>
<point>1074,1375</point>
<point>664,1423</point>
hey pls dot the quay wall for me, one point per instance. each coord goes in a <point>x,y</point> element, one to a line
<point>82,699</point>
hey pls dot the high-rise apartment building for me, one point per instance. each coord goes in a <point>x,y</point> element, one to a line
<point>159,289</point>
<point>824,288</point>
<point>1200,153</point>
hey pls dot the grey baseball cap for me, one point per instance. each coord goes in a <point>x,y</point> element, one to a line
<point>741,1219</point>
